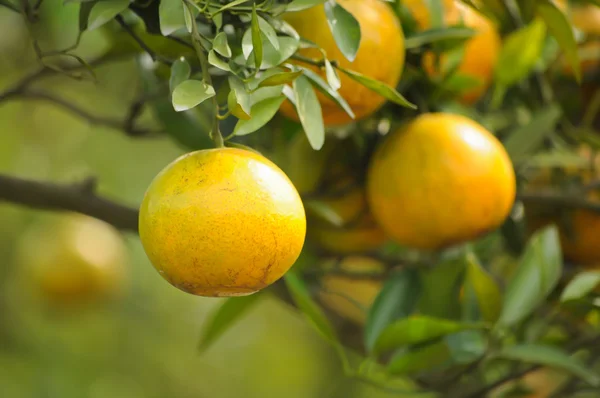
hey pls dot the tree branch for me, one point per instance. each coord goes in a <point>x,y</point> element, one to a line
<point>79,198</point>
<point>551,198</point>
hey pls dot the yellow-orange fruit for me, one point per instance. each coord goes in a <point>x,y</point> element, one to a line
<point>380,55</point>
<point>441,180</point>
<point>222,222</point>
<point>73,259</point>
<point>481,51</point>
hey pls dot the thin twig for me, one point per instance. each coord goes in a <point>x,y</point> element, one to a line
<point>78,198</point>
<point>550,198</point>
<point>141,43</point>
<point>126,125</point>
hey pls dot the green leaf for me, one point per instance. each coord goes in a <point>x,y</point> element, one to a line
<point>280,78</point>
<point>299,5</point>
<point>379,87</point>
<point>190,93</point>
<point>235,108</point>
<point>519,54</point>
<point>537,274</point>
<point>104,11</point>
<point>180,71</point>
<point>580,286</point>
<point>225,317</point>
<point>217,62</point>
<point>221,46</point>
<point>321,85</point>
<point>419,358</point>
<point>441,286</point>
<point>171,17</point>
<point>435,35</point>
<point>561,29</point>
<point>467,346</point>
<point>257,48</point>
<point>486,290</point>
<point>436,9</point>
<point>232,4</point>
<point>324,211</point>
<point>84,14</point>
<point>267,30</point>
<point>307,305</point>
<point>188,18</point>
<point>332,78</point>
<point>271,57</point>
<point>397,299</point>
<point>556,158</point>
<point>241,95</point>
<point>309,112</point>
<point>261,113</point>
<point>418,329</point>
<point>345,29</point>
<point>522,141</point>
<point>549,356</point>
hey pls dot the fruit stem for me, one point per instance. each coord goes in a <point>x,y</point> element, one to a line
<point>215,133</point>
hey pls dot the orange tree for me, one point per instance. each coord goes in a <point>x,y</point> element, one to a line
<point>417,177</point>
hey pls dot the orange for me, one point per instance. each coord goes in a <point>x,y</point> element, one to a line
<point>480,52</point>
<point>380,56</point>
<point>352,296</point>
<point>440,180</point>
<point>74,258</point>
<point>580,241</point>
<point>222,222</point>
<point>586,18</point>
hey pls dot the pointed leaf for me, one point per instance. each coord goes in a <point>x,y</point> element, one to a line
<point>379,87</point>
<point>520,52</point>
<point>170,13</point>
<point>536,276</point>
<point>241,95</point>
<point>419,358</point>
<point>307,305</point>
<point>332,78</point>
<point>324,212</point>
<point>345,29</point>
<point>486,290</point>
<point>397,299</point>
<point>416,330</point>
<point>235,108</point>
<point>257,48</point>
<point>267,30</point>
<point>580,286</point>
<point>280,78</point>
<point>524,140</point>
<point>217,62</point>
<point>321,85</point>
<point>190,93</point>
<point>299,5</point>
<point>309,112</point>
<point>180,71</point>
<point>104,11</point>
<point>84,14</point>
<point>221,46</point>
<point>561,29</point>
<point>435,35</point>
<point>549,356</point>
<point>188,18</point>
<point>261,113</point>
<point>225,317</point>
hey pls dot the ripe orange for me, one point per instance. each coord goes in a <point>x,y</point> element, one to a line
<point>380,55</point>
<point>586,18</point>
<point>222,222</point>
<point>74,259</point>
<point>352,296</point>
<point>440,180</point>
<point>481,51</point>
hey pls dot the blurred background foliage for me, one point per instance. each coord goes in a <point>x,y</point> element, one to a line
<point>142,345</point>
